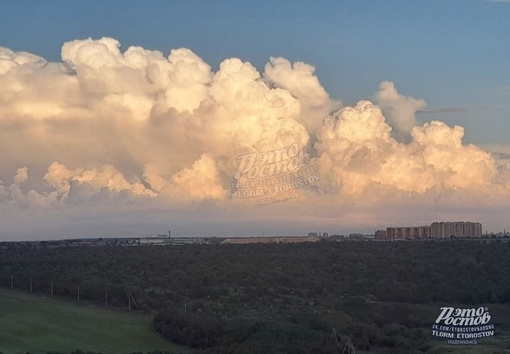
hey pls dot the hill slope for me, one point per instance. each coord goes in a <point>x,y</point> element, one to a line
<point>40,324</point>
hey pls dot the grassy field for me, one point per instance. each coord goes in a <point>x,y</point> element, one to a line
<point>36,324</point>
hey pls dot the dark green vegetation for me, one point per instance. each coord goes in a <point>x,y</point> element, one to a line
<point>288,298</point>
<point>30,323</point>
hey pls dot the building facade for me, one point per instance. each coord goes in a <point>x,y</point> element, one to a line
<point>436,230</point>
<point>456,229</point>
<point>271,239</point>
<point>380,235</point>
<point>408,232</point>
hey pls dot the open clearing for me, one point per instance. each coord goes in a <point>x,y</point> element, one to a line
<point>34,323</point>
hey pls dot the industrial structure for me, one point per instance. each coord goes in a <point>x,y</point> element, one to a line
<point>272,239</point>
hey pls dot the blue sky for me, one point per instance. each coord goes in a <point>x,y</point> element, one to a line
<point>452,53</point>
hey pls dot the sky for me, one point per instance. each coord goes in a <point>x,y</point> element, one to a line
<point>128,118</point>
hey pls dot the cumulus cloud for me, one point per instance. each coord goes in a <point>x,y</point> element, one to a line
<point>148,130</point>
<point>60,178</point>
<point>299,80</point>
<point>201,181</point>
<point>358,152</point>
<point>400,110</point>
<point>15,196</point>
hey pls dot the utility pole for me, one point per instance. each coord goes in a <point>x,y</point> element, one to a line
<point>129,302</point>
<point>349,347</point>
<point>30,285</point>
<point>78,293</point>
<point>51,291</point>
<point>131,297</point>
<point>334,335</point>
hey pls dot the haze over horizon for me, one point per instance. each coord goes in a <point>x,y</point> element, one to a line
<point>130,131</point>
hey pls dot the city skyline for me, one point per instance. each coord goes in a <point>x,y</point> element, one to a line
<point>234,119</point>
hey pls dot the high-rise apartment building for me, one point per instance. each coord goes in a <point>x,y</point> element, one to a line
<point>408,232</point>
<point>456,229</point>
<point>436,230</point>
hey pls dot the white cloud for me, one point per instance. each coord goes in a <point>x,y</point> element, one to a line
<point>400,110</point>
<point>141,131</point>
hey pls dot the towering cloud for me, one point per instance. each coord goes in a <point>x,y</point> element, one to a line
<point>156,131</point>
<point>401,110</point>
<point>357,150</point>
<point>299,80</point>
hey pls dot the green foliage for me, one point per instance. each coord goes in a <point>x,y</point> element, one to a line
<point>281,297</point>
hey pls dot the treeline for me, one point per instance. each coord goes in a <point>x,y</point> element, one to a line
<point>265,297</point>
<point>271,275</point>
<point>294,333</point>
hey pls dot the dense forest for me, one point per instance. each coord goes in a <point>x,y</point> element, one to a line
<point>277,298</point>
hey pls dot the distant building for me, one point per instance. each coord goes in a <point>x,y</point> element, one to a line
<point>436,230</point>
<point>154,240</point>
<point>313,234</point>
<point>274,239</point>
<point>380,235</point>
<point>166,240</point>
<point>408,232</point>
<point>356,236</point>
<point>337,237</point>
<point>456,229</point>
